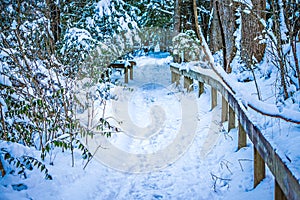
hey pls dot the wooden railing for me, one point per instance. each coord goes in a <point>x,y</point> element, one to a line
<point>121,64</point>
<point>286,184</point>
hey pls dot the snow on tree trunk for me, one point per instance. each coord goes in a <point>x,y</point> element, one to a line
<point>222,30</point>
<point>176,17</point>
<point>252,32</point>
<point>280,36</point>
<point>177,23</point>
<point>195,19</point>
<point>54,17</point>
<point>227,15</point>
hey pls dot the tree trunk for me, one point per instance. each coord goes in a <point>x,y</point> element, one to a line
<point>292,22</point>
<point>187,14</point>
<point>215,37</point>
<point>188,18</point>
<point>196,24</point>
<point>222,33</point>
<point>227,14</point>
<point>54,19</point>
<point>176,17</point>
<point>294,49</point>
<point>222,30</point>
<point>252,31</point>
<point>177,23</point>
<point>279,51</point>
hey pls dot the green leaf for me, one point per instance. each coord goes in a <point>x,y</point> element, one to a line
<point>130,26</point>
<point>48,177</point>
<point>7,156</point>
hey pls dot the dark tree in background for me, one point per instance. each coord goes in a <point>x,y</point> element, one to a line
<point>54,10</point>
<point>225,11</point>
<point>252,32</point>
<point>177,16</point>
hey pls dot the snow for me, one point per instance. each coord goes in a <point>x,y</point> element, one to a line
<point>14,25</point>
<point>246,2</point>
<point>80,38</point>
<point>250,100</point>
<point>189,155</point>
<point>283,28</point>
<point>103,8</point>
<point>90,22</point>
<point>4,80</point>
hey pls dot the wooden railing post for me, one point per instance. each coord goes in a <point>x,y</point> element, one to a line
<point>279,195</point>
<point>259,168</point>
<point>201,88</point>
<point>131,72</point>
<point>2,170</point>
<point>231,119</point>
<point>224,116</point>
<point>213,98</point>
<point>126,75</point>
<point>175,78</point>
<point>188,84</point>
<point>242,138</point>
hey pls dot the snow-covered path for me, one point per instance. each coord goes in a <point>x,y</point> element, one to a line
<point>176,150</point>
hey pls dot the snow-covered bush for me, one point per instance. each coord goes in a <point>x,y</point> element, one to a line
<point>187,47</point>
<point>37,82</point>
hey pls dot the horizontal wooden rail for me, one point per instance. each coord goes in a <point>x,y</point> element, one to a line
<point>260,107</point>
<point>285,181</point>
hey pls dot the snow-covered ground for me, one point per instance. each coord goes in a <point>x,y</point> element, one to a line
<point>172,147</point>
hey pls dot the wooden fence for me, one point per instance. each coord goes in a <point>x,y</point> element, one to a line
<point>286,184</point>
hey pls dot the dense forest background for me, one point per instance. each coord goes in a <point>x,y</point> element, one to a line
<point>48,47</point>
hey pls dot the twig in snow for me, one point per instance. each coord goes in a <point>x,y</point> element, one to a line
<point>241,163</point>
<point>99,146</point>
<point>225,163</point>
<point>226,134</point>
<point>216,178</point>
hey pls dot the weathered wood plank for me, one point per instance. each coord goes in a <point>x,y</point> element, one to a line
<point>201,88</point>
<point>131,73</point>
<point>278,193</point>
<point>259,168</point>
<point>214,98</point>
<point>188,83</point>
<point>224,116</point>
<point>132,63</point>
<point>242,137</point>
<point>231,119</point>
<point>175,78</point>
<point>117,65</point>
<point>126,75</point>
